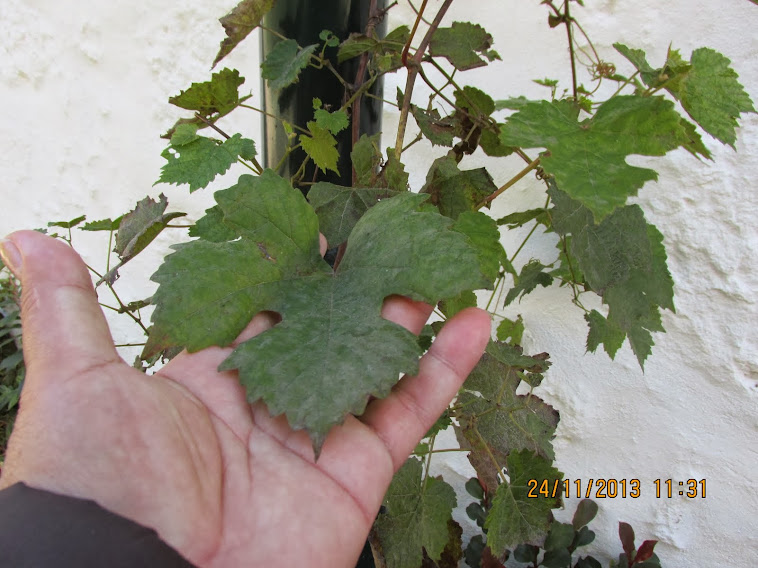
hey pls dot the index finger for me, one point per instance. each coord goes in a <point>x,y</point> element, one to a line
<point>415,403</point>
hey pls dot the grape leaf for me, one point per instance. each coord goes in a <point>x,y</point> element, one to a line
<point>332,349</point>
<point>416,519</point>
<point>706,86</point>
<point>711,94</point>
<point>475,102</point>
<point>390,46</point>
<point>516,518</point>
<point>238,24</point>
<point>339,208</point>
<point>454,191</point>
<point>139,227</point>
<point>211,227</point>
<point>197,160</point>
<point>103,225</point>
<point>485,236</point>
<point>511,329</point>
<point>521,218</point>
<point>219,96</point>
<point>532,275</point>
<point>335,122</point>
<point>284,63</point>
<point>494,421</point>
<point>605,333</point>
<point>393,175</point>
<point>321,147</point>
<point>461,43</point>
<point>587,158</point>
<point>439,131</point>
<point>624,261</point>
<point>491,144</point>
<point>356,45</point>
<point>67,224</point>
<point>451,306</point>
<point>366,157</point>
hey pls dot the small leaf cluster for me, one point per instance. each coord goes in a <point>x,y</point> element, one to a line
<point>562,542</point>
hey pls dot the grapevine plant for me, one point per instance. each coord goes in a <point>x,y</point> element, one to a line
<point>258,249</point>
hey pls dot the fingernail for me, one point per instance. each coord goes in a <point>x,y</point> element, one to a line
<point>11,256</point>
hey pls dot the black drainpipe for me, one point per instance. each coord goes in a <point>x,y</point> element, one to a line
<point>303,21</point>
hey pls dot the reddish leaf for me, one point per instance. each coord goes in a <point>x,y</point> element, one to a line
<point>489,560</point>
<point>645,551</point>
<point>626,534</point>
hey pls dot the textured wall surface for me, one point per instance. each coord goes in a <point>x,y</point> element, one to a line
<point>83,88</point>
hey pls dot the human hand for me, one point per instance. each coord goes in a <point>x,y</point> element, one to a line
<point>183,451</point>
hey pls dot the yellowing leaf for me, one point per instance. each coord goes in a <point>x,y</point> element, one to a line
<point>219,96</point>
<point>238,24</point>
<point>321,147</point>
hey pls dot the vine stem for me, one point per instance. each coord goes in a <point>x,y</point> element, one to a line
<point>356,113</point>
<point>532,165</point>
<point>413,69</point>
<point>567,15</point>
<point>256,167</point>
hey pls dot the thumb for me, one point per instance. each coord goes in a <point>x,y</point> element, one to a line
<point>64,330</point>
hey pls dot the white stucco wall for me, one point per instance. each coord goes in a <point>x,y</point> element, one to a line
<point>83,89</point>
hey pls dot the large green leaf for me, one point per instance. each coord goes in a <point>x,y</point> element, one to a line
<point>416,519</point>
<point>332,349</point>
<point>461,44</point>
<point>706,86</point>
<point>238,24</point>
<point>483,233</point>
<point>623,260</point>
<point>516,517</point>
<point>197,160</point>
<point>284,63</point>
<point>219,96</point>
<point>494,420</point>
<point>588,157</point>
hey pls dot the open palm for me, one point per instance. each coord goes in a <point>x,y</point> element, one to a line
<point>184,452</point>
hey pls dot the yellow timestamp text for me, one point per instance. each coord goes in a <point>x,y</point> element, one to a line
<point>612,488</point>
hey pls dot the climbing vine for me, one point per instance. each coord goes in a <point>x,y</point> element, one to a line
<point>258,249</point>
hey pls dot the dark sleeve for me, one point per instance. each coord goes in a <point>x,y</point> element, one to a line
<point>39,529</point>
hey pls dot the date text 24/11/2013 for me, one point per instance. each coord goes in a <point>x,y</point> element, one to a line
<point>611,488</point>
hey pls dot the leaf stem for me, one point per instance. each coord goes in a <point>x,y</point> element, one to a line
<point>521,246</point>
<point>258,169</point>
<point>567,21</point>
<point>510,183</point>
<point>413,68</point>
